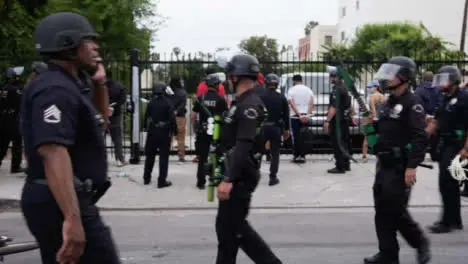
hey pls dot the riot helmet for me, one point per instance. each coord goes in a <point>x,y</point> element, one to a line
<point>272,80</point>
<point>159,88</point>
<point>212,81</point>
<point>448,76</point>
<point>13,74</point>
<point>61,32</point>
<point>333,74</point>
<point>243,65</point>
<point>39,67</point>
<point>397,71</point>
<point>332,71</point>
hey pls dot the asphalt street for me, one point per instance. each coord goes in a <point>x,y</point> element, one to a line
<point>302,236</point>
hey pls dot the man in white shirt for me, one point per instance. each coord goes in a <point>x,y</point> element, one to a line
<point>301,100</point>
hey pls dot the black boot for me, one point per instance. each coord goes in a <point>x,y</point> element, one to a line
<point>424,253</point>
<point>17,170</point>
<point>146,180</point>
<point>164,184</point>
<point>336,171</point>
<point>379,259</point>
<point>440,228</point>
<point>273,181</point>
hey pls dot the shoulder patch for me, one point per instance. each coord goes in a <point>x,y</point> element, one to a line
<point>418,108</point>
<point>251,113</point>
<point>52,115</point>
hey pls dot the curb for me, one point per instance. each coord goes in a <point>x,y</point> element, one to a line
<point>9,205</point>
<point>205,208</point>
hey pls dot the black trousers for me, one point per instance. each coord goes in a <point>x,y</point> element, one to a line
<point>342,162</point>
<point>116,133</point>
<point>234,231</point>
<point>9,132</point>
<point>203,149</point>
<point>391,196</point>
<point>45,219</point>
<point>296,126</point>
<point>273,134</point>
<point>158,140</point>
<point>449,187</point>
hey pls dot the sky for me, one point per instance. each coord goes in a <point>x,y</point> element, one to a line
<point>205,25</point>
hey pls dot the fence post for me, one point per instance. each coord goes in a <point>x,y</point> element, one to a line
<point>135,142</point>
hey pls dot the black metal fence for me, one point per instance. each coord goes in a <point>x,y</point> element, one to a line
<point>192,68</point>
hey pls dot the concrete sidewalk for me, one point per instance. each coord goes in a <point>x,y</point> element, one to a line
<point>303,186</point>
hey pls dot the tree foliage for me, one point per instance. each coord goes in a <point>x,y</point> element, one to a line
<point>264,48</point>
<point>379,42</point>
<point>309,26</point>
<point>122,25</point>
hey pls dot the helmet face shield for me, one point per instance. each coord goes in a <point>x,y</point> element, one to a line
<point>19,70</point>
<point>332,70</point>
<point>441,80</point>
<point>387,72</point>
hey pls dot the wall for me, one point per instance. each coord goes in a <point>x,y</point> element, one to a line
<point>304,48</point>
<point>317,39</point>
<point>442,18</point>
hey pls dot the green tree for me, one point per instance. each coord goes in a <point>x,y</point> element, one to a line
<point>122,25</point>
<point>116,22</point>
<point>264,48</point>
<point>375,43</point>
<point>308,28</point>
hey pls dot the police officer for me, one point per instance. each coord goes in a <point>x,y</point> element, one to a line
<point>276,122</point>
<point>64,143</point>
<point>343,111</point>
<point>451,124</point>
<point>242,138</point>
<point>10,100</point>
<point>400,149</point>
<point>160,123</point>
<point>207,105</point>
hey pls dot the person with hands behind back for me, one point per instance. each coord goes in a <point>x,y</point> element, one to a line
<point>241,137</point>
<point>301,99</point>
<point>401,147</point>
<point>63,138</point>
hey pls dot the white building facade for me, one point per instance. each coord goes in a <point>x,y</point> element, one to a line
<point>311,46</point>
<point>441,18</point>
<point>320,36</point>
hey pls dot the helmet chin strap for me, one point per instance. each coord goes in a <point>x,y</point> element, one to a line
<point>394,87</point>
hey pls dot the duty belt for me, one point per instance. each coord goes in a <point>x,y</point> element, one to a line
<point>270,123</point>
<point>391,157</point>
<point>86,185</point>
<point>9,111</point>
<point>161,124</point>
<point>453,135</point>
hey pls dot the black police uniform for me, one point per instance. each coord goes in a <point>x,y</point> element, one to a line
<point>244,137</point>
<point>10,100</point>
<point>452,122</point>
<point>401,123</point>
<point>276,122</point>
<point>207,105</point>
<point>55,111</point>
<point>161,126</point>
<point>342,162</point>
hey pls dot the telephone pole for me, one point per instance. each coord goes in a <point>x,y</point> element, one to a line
<point>463,29</point>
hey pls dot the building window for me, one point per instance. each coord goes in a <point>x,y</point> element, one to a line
<point>357,5</point>
<point>328,40</point>
<point>342,36</point>
<point>343,11</point>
